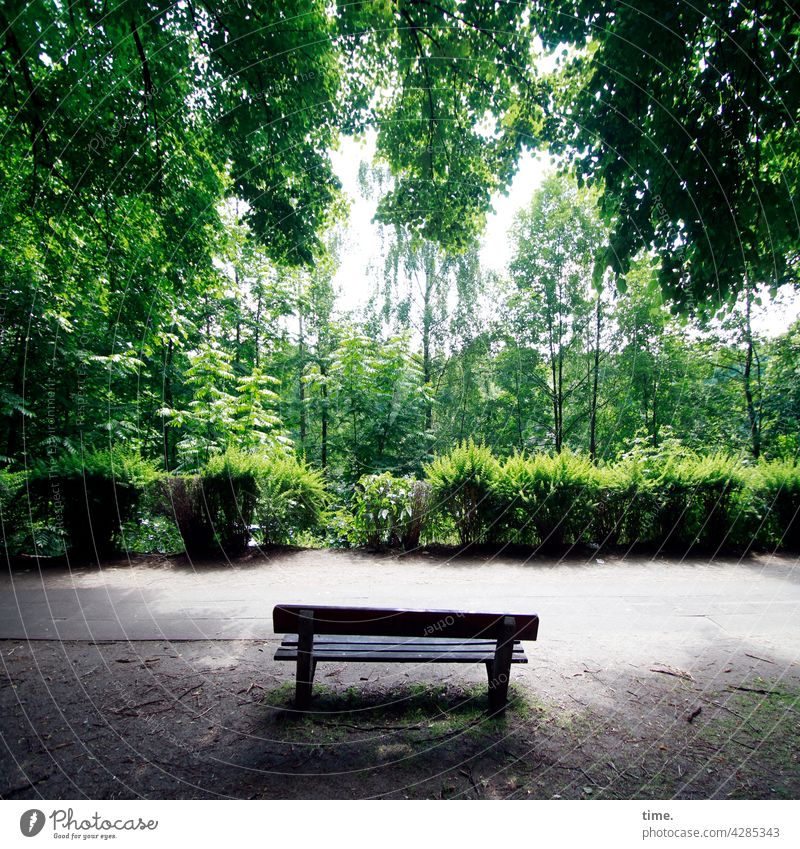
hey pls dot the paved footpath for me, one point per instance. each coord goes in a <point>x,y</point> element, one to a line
<point>627,609</point>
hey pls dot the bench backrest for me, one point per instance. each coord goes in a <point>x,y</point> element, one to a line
<point>390,622</point>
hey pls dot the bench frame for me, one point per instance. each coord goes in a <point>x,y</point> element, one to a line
<point>468,633</point>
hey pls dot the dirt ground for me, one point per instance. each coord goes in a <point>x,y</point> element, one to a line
<point>213,718</point>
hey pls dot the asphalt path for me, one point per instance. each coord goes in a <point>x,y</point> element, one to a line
<point>603,610</point>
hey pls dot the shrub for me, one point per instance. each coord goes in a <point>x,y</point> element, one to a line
<point>181,498</point>
<point>776,491</point>
<point>152,533</point>
<point>548,499</point>
<point>88,496</point>
<point>230,491</point>
<point>417,520</point>
<point>239,493</point>
<point>291,498</point>
<point>699,502</point>
<point>388,511</point>
<point>627,503</point>
<point>213,510</point>
<point>14,522</point>
<point>462,489</point>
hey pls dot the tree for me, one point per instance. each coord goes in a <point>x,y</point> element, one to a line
<point>684,116</point>
<point>378,397</point>
<point>650,370</point>
<point>451,88</point>
<point>782,394</point>
<point>554,245</point>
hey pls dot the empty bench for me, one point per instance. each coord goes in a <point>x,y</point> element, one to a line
<point>367,634</point>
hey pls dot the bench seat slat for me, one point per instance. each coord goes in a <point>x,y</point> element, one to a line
<point>360,654</point>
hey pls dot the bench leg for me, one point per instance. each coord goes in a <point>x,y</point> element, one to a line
<point>306,664</point>
<point>499,670</point>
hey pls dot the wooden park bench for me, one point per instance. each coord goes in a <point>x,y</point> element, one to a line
<point>367,634</point>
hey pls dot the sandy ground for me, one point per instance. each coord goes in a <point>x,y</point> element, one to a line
<point>650,679</point>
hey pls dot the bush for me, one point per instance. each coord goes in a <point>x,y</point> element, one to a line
<point>230,490</point>
<point>621,513</point>
<point>14,523</point>
<point>152,533</point>
<point>239,493</point>
<point>388,511</point>
<point>88,496</point>
<point>181,498</point>
<point>776,491</point>
<point>462,489</point>
<point>549,500</point>
<point>291,498</point>
<point>700,503</point>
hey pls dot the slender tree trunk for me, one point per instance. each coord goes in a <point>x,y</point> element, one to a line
<point>752,413</point>
<point>554,392</point>
<point>169,442</point>
<point>654,420</point>
<point>257,333</point>
<point>560,404</point>
<point>324,427</point>
<point>301,386</point>
<point>595,382</point>
<point>427,320</point>
<point>518,394</point>
<point>17,388</point>
<point>324,417</point>
<point>238,323</point>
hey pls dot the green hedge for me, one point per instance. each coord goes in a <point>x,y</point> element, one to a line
<point>670,499</point>
<point>463,489</point>
<point>291,499</point>
<point>548,500</point>
<point>99,503</point>
<point>239,496</point>
<point>14,523</point>
<point>85,498</point>
<point>775,489</point>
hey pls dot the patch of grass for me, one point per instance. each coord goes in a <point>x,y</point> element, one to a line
<point>758,734</point>
<point>435,711</point>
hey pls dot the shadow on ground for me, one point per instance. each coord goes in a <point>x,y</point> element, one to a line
<point>206,720</point>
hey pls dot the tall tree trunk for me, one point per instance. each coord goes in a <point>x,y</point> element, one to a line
<point>17,388</point>
<point>654,421</point>
<point>554,392</point>
<point>427,321</point>
<point>518,394</point>
<point>560,404</point>
<point>170,446</point>
<point>324,436</point>
<point>595,382</point>
<point>301,386</point>
<point>752,412</point>
<point>257,332</point>
<point>238,323</point>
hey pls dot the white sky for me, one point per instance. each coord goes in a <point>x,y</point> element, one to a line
<point>362,247</point>
<point>362,241</point>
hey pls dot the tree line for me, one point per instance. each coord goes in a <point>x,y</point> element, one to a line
<point>171,225</point>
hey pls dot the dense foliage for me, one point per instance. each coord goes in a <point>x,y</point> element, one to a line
<point>176,368</point>
<point>668,499</point>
